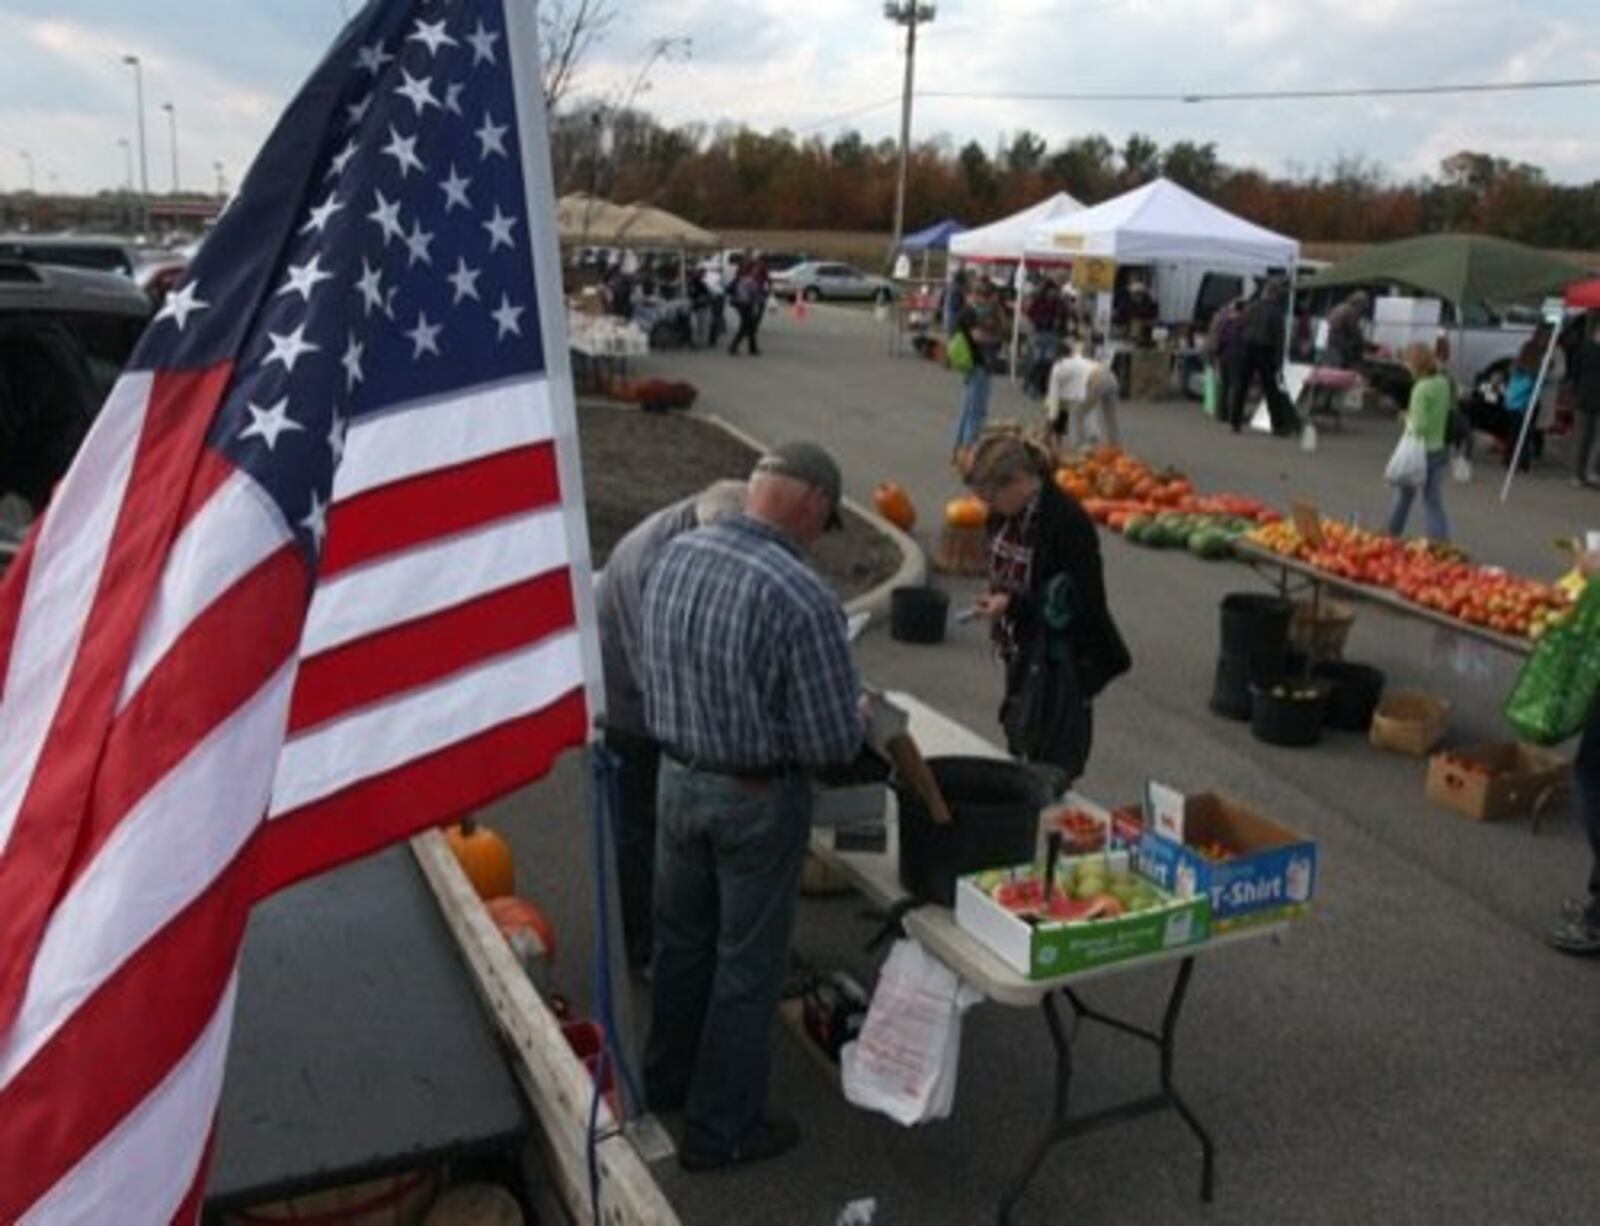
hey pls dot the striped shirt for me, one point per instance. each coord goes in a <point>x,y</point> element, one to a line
<point>745,660</point>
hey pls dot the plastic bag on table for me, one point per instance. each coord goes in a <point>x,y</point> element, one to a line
<point>1409,463</point>
<point>904,1061</point>
<point>1551,697</point>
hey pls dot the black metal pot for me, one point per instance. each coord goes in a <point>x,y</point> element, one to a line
<point>995,804</point>
<point>1353,694</point>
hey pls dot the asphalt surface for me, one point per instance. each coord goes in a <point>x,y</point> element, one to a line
<point>1412,1053</point>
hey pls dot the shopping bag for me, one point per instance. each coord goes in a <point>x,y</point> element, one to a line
<point>1308,437</point>
<point>1213,391</point>
<point>904,1061</point>
<point>1409,463</point>
<point>958,355</point>
<point>1552,695</point>
<point>1461,468</point>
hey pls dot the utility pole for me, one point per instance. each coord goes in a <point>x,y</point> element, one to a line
<point>127,158</point>
<point>28,160</point>
<point>144,166</point>
<point>172,134</point>
<point>910,14</point>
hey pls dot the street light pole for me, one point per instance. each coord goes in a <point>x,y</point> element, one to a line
<point>172,133</point>
<point>907,13</point>
<point>28,158</point>
<point>144,165</point>
<point>127,156</point>
<point>222,183</point>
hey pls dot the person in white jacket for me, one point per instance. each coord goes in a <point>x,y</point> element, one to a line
<point>1080,386</point>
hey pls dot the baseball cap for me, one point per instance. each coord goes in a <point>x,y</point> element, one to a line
<point>808,462</point>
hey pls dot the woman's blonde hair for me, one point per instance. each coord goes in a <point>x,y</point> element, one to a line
<point>1421,361</point>
<point>1000,458</point>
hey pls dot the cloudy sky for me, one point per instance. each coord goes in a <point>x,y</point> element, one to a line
<point>228,67</point>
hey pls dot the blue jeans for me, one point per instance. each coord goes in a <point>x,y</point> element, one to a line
<point>1432,499</point>
<point>974,406</point>
<point>728,855</point>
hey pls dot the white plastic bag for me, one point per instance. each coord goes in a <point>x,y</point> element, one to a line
<point>1461,468</point>
<point>1308,437</point>
<point>1409,463</point>
<point>904,1061</point>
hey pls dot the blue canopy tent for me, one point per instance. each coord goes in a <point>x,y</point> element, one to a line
<point>935,238</point>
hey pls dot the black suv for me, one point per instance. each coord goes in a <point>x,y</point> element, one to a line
<point>65,334</point>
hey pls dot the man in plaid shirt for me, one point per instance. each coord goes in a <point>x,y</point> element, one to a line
<point>748,684</point>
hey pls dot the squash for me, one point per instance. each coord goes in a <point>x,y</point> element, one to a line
<point>894,504</point>
<point>484,857</point>
<point>968,511</point>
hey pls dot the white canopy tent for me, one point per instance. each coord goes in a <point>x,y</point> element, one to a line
<point>1162,223</point>
<point>1004,241</point>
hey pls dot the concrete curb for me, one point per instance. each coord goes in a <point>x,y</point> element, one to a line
<point>913,568</point>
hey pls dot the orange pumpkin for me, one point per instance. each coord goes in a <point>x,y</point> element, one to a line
<point>484,857</point>
<point>968,511</point>
<point>518,919</point>
<point>894,504</point>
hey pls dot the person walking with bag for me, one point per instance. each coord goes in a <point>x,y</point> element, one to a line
<point>966,355</point>
<point>1421,458</point>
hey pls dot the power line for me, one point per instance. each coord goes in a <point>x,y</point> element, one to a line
<point>892,100</point>
<point>1270,95</point>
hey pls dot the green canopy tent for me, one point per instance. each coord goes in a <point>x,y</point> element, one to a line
<point>1462,269</point>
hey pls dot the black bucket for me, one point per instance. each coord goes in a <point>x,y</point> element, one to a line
<point>1354,690</point>
<point>1230,690</point>
<point>996,807</point>
<point>1256,628</point>
<point>917,614</point>
<point>1282,719</point>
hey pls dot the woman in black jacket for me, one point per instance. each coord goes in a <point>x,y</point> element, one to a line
<point>1046,604</point>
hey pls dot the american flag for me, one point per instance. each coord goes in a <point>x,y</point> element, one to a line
<point>318,579</point>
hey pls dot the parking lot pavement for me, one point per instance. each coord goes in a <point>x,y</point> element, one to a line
<point>1411,1053</point>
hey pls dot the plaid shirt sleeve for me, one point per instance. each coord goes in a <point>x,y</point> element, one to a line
<point>824,720</point>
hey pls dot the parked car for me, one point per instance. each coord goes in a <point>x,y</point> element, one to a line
<point>103,253</point>
<point>65,334</point>
<point>816,280</point>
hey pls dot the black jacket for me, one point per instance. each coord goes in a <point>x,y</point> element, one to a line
<point>1066,542</point>
<point>1587,376</point>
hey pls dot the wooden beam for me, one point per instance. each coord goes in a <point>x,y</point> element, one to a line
<point>557,1084</point>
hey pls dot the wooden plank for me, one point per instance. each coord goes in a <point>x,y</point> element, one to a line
<point>556,1082</point>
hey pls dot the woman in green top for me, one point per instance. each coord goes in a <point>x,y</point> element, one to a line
<point>1426,418</point>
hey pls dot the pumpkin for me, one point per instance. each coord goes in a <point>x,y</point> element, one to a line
<point>518,920</point>
<point>894,504</point>
<point>968,511</point>
<point>484,857</point>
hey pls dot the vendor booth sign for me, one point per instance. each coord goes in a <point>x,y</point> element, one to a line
<point>1094,274</point>
<point>1253,870</point>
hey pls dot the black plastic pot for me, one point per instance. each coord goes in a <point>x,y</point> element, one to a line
<point>1230,690</point>
<point>1288,721</point>
<point>996,807</point>
<point>1354,690</point>
<point>1256,628</point>
<point>918,614</point>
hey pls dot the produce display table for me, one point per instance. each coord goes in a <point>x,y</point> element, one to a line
<point>1288,569</point>
<point>359,1047</point>
<point>876,876</point>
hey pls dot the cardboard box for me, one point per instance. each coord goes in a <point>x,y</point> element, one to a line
<point>1498,780</point>
<point>1043,949</point>
<point>1409,722</point>
<point>1271,875</point>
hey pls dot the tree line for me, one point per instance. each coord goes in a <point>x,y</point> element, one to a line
<point>732,176</point>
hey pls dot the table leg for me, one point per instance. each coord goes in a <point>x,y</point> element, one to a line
<point>1055,1129</point>
<point>1169,1029</point>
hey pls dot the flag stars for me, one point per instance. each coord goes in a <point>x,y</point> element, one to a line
<point>336,439</point>
<point>316,522</point>
<point>303,278</point>
<point>351,361</point>
<point>386,215</point>
<point>431,35</point>
<point>491,138</point>
<point>403,149</point>
<point>341,160</point>
<point>464,280</point>
<point>424,337</point>
<point>288,348</point>
<point>370,287</point>
<point>483,42</point>
<point>506,318</point>
<point>267,424</point>
<point>417,245</point>
<point>371,58</point>
<point>455,190</point>
<point>499,227</point>
<point>321,214</point>
<point>181,304</point>
<point>357,111</point>
<point>452,96</point>
<point>415,91</point>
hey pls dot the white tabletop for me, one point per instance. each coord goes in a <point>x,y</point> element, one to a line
<point>877,876</point>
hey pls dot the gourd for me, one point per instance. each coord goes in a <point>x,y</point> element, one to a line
<point>895,505</point>
<point>485,857</point>
<point>968,511</point>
